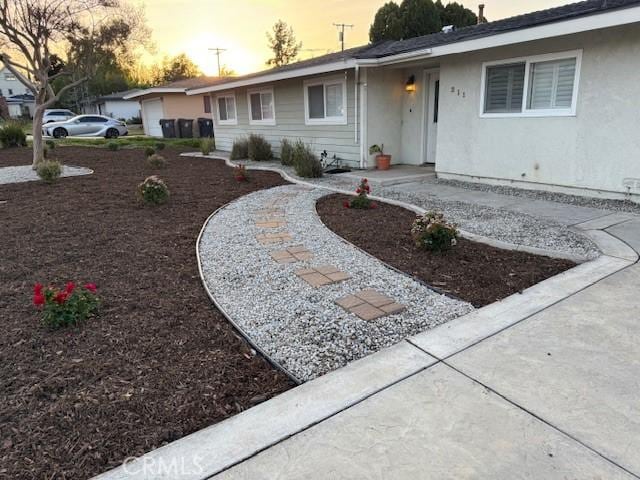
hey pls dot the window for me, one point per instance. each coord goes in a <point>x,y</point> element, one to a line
<point>543,85</point>
<point>227,110</point>
<point>326,101</point>
<point>10,91</point>
<point>261,108</point>
<point>10,77</point>
<point>207,103</point>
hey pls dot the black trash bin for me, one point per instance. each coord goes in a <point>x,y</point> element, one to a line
<point>185,127</point>
<point>205,127</point>
<point>168,127</point>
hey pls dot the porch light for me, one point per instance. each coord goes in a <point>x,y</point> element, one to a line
<point>411,84</point>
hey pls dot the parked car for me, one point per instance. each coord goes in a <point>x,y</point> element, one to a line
<point>86,126</point>
<point>57,115</point>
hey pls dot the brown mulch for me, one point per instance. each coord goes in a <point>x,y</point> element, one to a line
<point>159,362</point>
<point>472,271</point>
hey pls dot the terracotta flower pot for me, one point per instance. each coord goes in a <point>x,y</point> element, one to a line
<point>383,162</point>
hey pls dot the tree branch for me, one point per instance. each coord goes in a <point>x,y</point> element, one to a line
<point>11,66</point>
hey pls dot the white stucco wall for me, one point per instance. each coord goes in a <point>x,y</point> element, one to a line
<point>290,121</point>
<point>596,149</point>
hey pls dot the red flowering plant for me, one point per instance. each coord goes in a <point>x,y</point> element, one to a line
<point>362,200</point>
<point>240,173</point>
<point>67,307</point>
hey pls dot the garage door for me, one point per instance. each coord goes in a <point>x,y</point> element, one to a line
<point>153,112</point>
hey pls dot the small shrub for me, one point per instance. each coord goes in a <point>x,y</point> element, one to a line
<point>65,308</point>
<point>50,144</point>
<point>286,152</point>
<point>160,146</point>
<point>113,146</point>
<point>258,149</point>
<point>157,161</point>
<point>207,145</point>
<point>149,151</point>
<point>153,191</point>
<point>49,170</point>
<point>12,135</point>
<point>305,162</point>
<point>240,173</point>
<point>362,201</point>
<point>432,232</point>
<point>240,149</point>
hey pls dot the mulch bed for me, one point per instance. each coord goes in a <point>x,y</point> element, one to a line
<point>159,362</point>
<point>472,271</point>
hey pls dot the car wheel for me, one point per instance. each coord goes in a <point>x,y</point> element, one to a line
<point>60,133</point>
<point>112,133</point>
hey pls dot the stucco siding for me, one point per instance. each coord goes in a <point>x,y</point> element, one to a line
<point>126,109</point>
<point>290,121</point>
<point>595,149</point>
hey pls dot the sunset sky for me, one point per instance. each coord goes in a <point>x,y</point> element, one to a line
<point>240,26</point>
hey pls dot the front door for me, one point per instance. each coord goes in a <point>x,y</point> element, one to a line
<point>432,94</point>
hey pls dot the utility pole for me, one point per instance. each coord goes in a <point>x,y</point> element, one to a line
<point>218,51</point>
<point>341,27</point>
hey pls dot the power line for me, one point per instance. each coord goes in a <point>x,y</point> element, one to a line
<point>341,27</point>
<point>217,52</point>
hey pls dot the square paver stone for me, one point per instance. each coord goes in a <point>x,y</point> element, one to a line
<point>324,275</point>
<point>297,253</point>
<point>370,304</point>
<point>272,238</point>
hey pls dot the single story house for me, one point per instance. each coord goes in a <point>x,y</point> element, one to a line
<point>170,101</point>
<point>114,105</point>
<point>21,106</point>
<point>548,100</point>
<point>10,85</point>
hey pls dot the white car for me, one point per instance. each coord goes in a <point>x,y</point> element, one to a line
<point>57,115</point>
<point>86,126</point>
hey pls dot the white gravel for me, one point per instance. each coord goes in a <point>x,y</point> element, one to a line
<point>297,325</point>
<point>24,173</point>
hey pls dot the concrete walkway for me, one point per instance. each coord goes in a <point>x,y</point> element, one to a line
<point>543,385</point>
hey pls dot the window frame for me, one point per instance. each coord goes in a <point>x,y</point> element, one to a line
<point>268,121</point>
<point>324,81</point>
<point>234,121</point>
<point>528,61</point>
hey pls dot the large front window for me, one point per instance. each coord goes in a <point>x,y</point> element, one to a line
<point>326,101</point>
<point>226,105</point>
<point>261,107</point>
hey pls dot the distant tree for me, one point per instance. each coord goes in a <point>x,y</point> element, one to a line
<point>283,44</point>
<point>176,68</point>
<point>419,17</point>
<point>227,72</point>
<point>456,14</point>
<point>387,24</point>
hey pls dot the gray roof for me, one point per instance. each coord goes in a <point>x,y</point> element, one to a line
<point>393,47</point>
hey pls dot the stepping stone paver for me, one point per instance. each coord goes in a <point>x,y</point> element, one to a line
<point>297,253</point>
<point>324,275</point>
<point>264,223</point>
<point>370,304</point>
<point>271,238</point>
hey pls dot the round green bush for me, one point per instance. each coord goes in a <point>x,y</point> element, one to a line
<point>153,191</point>
<point>258,149</point>
<point>12,135</point>
<point>49,170</point>
<point>50,144</point>
<point>149,151</point>
<point>113,146</point>
<point>240,149</point>
<point>160,146</point>
<point>286,152</point>
<point>157,161</point>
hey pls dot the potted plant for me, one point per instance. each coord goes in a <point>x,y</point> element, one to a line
<point>383,162</point>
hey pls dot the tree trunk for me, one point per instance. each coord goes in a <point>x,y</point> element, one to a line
<point>38,144</point>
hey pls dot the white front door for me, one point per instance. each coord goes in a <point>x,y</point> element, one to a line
<point>432,94</point>
<point>153,112</point>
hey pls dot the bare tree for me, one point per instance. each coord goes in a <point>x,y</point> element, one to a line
<point>30,33</point>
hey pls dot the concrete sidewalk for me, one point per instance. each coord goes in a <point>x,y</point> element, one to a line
<point>553,396</point>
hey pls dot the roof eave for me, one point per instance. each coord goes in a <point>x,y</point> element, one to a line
<point>151,91</point>
<point>273,77</point>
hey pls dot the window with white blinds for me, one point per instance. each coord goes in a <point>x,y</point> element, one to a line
<point>261,107</point>
<point>542,85</point>
<point>227,110</point>
<point>325,101</point>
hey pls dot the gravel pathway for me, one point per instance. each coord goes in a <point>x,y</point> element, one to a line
<point>498,223</point>
<point>24,173</point>
<point>297,325</point>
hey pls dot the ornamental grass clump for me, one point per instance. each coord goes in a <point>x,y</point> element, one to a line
<point>240,149</point>
<point>49,170</point>
<point>153,191</point>
<point>160,146</point>
<point>148,151</point>
<point>432,232</point>
<point>362,200</point>
<point>258,149</point>
<point>65,308</point>
<point>207,145</point>
<point>12,135</point>
<point>240,173</point>
<point>286,152</point>
<point>305,163</point>
<point>157,161</point>
<point>113,146</point>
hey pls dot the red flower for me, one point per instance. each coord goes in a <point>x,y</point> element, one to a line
<point>364,180</point>
<point>60,297</point>
<point>70,287</point>
<point>358,190</point>
<point>91,287</point>
<point>38,299</point>
<point>37,289</point>
<point>346,204</point>
<point>374,205</point>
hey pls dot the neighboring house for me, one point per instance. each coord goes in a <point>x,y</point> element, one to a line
<point>114,105</point>
<point>10,85</point>
<point>21,106</point>
<point>546,100</point>
<point>171,102</point>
